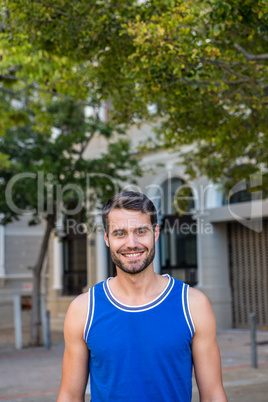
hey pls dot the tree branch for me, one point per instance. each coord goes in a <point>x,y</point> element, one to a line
<point>251,57</point>
<point>84,146</point>
<point>224,66</point>
<point>59,12</point>
<point>36,88</point>
<point>186,81</point>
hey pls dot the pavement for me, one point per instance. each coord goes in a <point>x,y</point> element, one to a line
<point>34,374</point>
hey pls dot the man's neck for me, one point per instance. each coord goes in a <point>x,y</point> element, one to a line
<point>137,289</point>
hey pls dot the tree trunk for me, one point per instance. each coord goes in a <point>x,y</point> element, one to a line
<point>37,270</point>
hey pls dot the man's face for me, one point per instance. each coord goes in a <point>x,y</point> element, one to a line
<point>131,240</point>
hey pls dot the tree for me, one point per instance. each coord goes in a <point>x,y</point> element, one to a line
<point>202,63</point>
<point>47,171</point>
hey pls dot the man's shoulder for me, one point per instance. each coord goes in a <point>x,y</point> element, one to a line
<point>200,307</point>
<point>76,317</point>
<point>78,308</point>
<point>197,296</point>
<point>81,301</point>
<point>198,300</point>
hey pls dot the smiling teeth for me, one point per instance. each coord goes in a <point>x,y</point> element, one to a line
<point>133,255</point>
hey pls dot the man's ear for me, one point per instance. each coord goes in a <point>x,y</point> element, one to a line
<point>106,239</point>
<point>156,233</point>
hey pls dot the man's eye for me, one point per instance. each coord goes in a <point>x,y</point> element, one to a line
<point>141,231</point>
<point>119,234</point>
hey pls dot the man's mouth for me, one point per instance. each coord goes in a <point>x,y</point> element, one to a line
<point>133,254</point>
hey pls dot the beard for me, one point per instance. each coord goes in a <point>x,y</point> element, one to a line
<point>133,267</point>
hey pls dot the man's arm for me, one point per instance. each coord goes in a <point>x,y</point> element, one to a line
<point>76,354</point>
<point>205,350</point>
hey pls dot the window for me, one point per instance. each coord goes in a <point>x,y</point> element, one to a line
<point>75,264</point>
<point>178,249</point>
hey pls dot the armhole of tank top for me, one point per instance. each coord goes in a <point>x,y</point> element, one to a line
<point>186,309</point>
<point>90,312</point>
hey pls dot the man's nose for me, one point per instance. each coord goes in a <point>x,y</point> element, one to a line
<point>131,241</point>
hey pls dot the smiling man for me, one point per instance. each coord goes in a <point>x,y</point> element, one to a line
<point>139,334</point>
<point>131,240</point>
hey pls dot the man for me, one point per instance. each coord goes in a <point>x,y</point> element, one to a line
<point>139,332</point>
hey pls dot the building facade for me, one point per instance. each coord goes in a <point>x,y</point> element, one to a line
<point>219,247</point>
<point>216,246</point>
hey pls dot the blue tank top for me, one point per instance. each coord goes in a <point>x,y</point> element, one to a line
<point>140,353</point>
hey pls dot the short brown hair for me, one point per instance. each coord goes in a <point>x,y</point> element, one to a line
<point>129,200</point>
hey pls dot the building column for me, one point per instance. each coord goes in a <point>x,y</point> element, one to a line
<point>58,254</point>
<point>101,252</point>
<point>157,262</point>
<point>2,249</point>
<point>213,268</point>
<point>57,263</point>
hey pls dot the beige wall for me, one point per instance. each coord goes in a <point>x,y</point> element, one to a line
<point>21,247</point>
